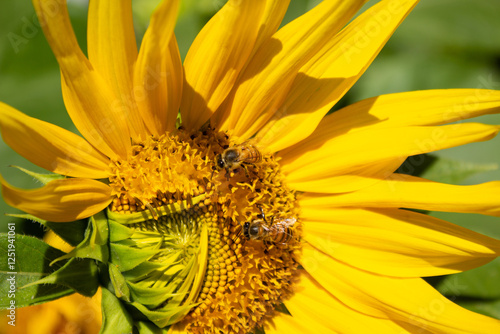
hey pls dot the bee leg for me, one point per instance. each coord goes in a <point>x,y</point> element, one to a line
<point>246,170</point>
<point>261,214</point>
<point>228,174</point>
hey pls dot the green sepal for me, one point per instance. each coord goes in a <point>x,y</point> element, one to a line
<point>115,318</point>
<point>26,216</point>
<point>143,270</point>
<point>32,258</point>
<point>43,178</point>
<point>119,284</point>
<point>146,327</point>
<point>94,246</point>
<point>118,232</point>
<point>127,258</point>
<point>79,275</point>
<point>162,318</point>
<point>149,296</point>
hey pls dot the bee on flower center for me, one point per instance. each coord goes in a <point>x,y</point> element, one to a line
<point>238,155</point>
<point>278,231</point>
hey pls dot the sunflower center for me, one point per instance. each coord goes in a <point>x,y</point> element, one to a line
<point>220,217</point>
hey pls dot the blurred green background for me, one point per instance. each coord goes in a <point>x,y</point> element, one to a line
<point>442,44</point>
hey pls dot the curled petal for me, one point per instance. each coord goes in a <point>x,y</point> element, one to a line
<point>60,200</point>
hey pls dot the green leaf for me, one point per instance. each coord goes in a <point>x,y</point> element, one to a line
<point>32,258</point>
<point>480,282</point>
<point>454,171</point>
<point>79,275</point>
<point>115,318</point>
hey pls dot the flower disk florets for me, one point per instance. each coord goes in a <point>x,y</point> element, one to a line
<point>197,212</point>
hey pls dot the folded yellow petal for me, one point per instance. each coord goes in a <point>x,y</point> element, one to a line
<point>404,191</point>
<point>158,71</point>
<point>88,98</point>
<point>266,80</point>
<point>112,51</point>
<point>217,56</point>
<point>320,156</point>
<point>284,323</point>
<point>51,147</point>
<point>407,301</point>
<point>312,304</point>
<point>325,78</point>
<point>397,243</point>
<point>60,200</point>
<point>427,107</point>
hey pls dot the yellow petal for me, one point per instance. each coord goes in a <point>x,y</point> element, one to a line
<point>397,243</point>
<point>112,51</point>
<point>60,200</point>
<point>404,191</point>
<point>428,107</point>
<point>325,78</point>
<point>51,147</point>
<point>217,56</point>
<point>320,156</point>
<point>403,300</point>
<point>86,95</point>
<point>263,85</point>
<point>313,305</point>
<point>283,323</point>
<point>355,179</point>
<point>158,71</point>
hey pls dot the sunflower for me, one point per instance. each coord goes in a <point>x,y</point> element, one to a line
<point>227,199</point>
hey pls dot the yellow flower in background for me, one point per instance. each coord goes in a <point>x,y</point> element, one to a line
<point>250,208</point>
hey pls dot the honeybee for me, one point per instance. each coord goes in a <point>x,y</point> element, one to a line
<point>279,231</point>
<point>237,155</point>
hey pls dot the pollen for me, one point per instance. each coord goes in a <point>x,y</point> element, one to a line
<point>193,207</point>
